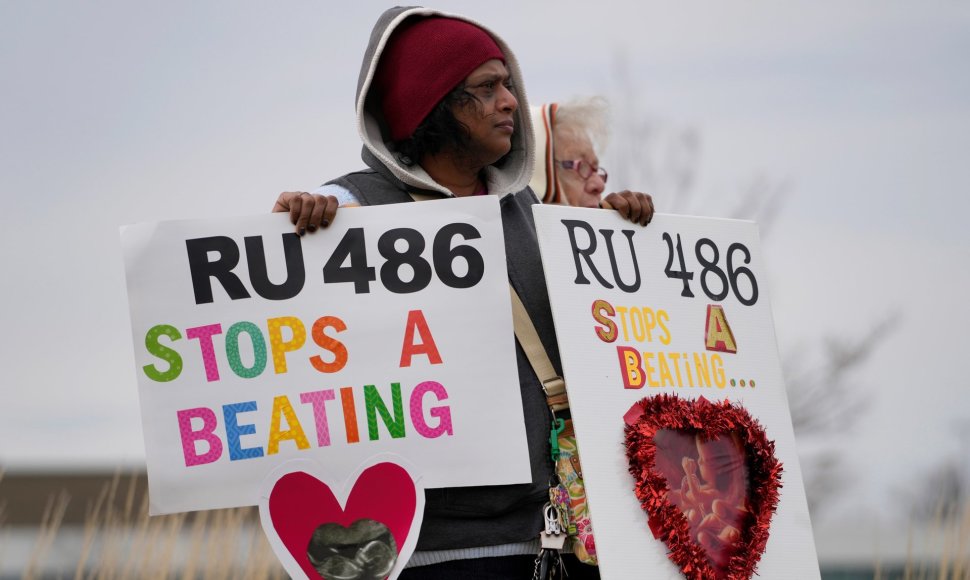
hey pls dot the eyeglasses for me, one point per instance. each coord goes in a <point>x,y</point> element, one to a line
<point>584,169</point>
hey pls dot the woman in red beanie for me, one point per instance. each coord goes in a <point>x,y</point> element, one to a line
<point>440,112</point>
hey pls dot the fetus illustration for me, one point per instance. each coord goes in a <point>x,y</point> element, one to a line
<point>364,551</point>
<point>709,486</point>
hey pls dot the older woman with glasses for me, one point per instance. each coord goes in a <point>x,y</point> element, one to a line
<point>567,166</point>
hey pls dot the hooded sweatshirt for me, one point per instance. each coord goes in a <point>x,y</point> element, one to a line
<point>545,179</point>
<point>471,522</point>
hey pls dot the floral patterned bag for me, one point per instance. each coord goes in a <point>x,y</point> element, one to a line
<point>570,473</point>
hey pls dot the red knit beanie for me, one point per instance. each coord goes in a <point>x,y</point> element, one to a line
<point>422,62</point>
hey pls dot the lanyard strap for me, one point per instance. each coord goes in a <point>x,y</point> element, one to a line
<point>553,385</point>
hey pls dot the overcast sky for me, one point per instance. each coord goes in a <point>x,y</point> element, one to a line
<point>122,112</point>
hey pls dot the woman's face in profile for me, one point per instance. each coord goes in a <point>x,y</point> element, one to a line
<point>491,120</point>
<point>579,192</point>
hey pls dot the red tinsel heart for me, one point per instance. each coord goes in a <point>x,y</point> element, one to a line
<point>707,476</point>
<point>376,518</point>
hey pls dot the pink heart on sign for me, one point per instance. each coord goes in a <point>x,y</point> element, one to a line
<point>362,539</point>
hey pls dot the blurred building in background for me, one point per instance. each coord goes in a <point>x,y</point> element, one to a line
<point>81,524</point>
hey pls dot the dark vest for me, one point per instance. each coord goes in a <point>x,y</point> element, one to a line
<point>475,516</point>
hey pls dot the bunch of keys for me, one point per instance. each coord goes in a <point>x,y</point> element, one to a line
<point>552,539</point>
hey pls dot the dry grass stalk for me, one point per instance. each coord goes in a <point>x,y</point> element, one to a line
<point>950,530</point>
<point>3,504</point>
<point>50,523</point>
<point>90,533</point>
<point>3,517</point>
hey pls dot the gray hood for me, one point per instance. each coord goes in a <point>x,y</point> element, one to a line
<point>516,168</point>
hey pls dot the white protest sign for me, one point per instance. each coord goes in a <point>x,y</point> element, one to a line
<point>388,332</point>
<point>676,315</point>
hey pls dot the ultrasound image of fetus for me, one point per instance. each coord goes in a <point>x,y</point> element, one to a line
<point>364,551</point>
